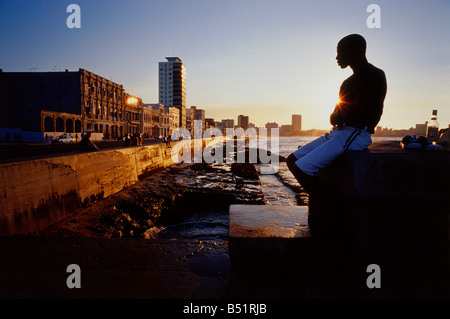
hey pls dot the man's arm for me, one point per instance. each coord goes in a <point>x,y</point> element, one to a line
<point>352,112</point>
<point>335,117</point>
<point>365,108</point>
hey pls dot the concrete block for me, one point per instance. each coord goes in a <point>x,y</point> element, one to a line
<point>268,247</point>
<point>268,221</point>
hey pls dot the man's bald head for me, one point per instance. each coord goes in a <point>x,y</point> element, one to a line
<point>355,43</point>
<point>351,50</point>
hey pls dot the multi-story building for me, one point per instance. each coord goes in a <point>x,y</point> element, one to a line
<point>209,123</point>
<point>147,115</point>
<point>286,130</point>
<point>271,125</point>
<point>190,118</point>
<point>243,121</point>
<point>228,123</point>
<point>172,86</point>
<point>199,115</point>
<point>296,123</point>
<point>103,104</point>
<point>134,111</point>
<point>160,121</point>
<point>194,114</point>
<point>174,119</point>
<point>153,117</point>
<point>70,101</point>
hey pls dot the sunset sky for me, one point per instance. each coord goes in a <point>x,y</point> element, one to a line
<point>266,59</point>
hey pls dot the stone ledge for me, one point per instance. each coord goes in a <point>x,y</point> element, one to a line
<point>269,248</point>
<point>386,173</point>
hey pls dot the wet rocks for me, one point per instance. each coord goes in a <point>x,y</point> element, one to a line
<point>178,190</point>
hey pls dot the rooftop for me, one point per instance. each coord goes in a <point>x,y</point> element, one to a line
<point>173,59</point>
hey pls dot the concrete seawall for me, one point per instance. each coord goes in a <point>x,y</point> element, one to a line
<point>38,193</point>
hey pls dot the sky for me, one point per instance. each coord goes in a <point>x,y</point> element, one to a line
<point>267,59</point>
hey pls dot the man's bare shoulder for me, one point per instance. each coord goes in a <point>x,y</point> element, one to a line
<point>376,71</point>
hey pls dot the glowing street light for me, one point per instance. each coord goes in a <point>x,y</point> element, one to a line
<point>132,100</point>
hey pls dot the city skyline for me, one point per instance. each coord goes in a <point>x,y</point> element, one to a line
<point>267,59</point>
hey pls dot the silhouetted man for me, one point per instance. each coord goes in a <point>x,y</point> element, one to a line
<point>354,118</point>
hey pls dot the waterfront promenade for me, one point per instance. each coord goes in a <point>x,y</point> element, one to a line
<point>14,152</point>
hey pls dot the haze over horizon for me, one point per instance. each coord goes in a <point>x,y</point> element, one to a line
<point>265,59</point>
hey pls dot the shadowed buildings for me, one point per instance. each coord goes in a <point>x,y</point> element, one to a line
<point>243,121</point>
<point>224,124</point>
<point>70,101</point>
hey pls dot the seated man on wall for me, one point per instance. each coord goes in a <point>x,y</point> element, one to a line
<point>354,120</point>
<point>86,145</point>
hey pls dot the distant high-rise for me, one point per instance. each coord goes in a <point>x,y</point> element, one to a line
<point>296,123</point>
<point>172,86</point>
<point>243,121</point>
<point>271,125</point>
<point>228,123</point>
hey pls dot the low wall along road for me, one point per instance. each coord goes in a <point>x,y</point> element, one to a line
<point>38,193</point>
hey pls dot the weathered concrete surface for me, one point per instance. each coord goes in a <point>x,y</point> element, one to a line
<point>37,193</point>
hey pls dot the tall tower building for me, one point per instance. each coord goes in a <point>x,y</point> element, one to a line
<point>296,123</point>
<point>172,86</point>
<point>243,121</point>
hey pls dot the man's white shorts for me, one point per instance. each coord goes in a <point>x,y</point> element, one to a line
<point>324,150</point>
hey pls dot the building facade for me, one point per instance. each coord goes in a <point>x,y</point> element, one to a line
<point>209,123</point>
<point>159,120</point>
<point>174,118</point>
<point>102,104</point>
<point>172,86</point>
<point>151,116</point>
<point>286,130</point>
<point>228,123</point>
<point>243,121</point>
<point>195,114</point>
<point>296,123</point>
<point>70,101</point>
<point>134,115</point>
<point>271,125</point>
